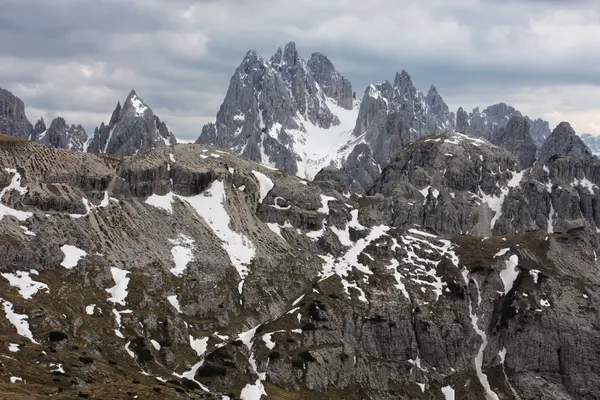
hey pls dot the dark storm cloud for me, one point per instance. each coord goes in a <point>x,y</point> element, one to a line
<point>77,58</point>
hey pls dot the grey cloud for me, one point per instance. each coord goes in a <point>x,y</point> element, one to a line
<point>179,54</point>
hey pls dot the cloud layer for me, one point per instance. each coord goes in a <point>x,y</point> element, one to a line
<point>77,58</point>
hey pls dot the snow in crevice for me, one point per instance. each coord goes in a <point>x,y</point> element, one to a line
<point>72,255</point>
<point>551,219</point>
<point>265,183</point>
<point>174,302</point>
<point>509,273</point>
<point>483,379</point>
<point>22,281</point>
<point>494,202</point>
<point>15,184</point>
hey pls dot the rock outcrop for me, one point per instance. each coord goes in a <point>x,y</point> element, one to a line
<point>190,272</point>
<point>62,136</point>
<point>13,121</point>
<point>564,142</point>
<point>132,129</point>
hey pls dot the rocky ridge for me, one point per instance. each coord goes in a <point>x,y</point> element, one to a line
<point>190,272</point>
<point>485,123</point>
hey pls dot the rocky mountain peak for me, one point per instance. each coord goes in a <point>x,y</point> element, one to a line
<point>274,111</point>
<point>564,142</point>
<point>403,84</point>
<point>333,84</point>
<point>13,121</point>
<point>135,104</point>
<point>252,58</point>
<point>516,138</point>
<point>62,136</point>
<point>132,129</point>
<point>38,129</point>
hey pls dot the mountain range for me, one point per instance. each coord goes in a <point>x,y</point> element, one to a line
<point>311,246</point>
<point>291,114</point>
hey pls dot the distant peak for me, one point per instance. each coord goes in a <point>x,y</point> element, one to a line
<point>252,58</point>
<point>135,102</point>
<point>290,47</point>
<point>403,80</point>
<point>564,128</point>
<point>433,90</point>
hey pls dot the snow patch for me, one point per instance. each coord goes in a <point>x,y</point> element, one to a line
<point>22,281</point>
<point>199,345</point>
<point>119,291</point>
<point>182,253</point>
<point>266,184</point>
<point>15,184</point>
<point>448,392</point>
<point>72,256</point>
<point>19,321</point>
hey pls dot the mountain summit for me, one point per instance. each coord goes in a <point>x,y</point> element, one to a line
<point>285,113</point>
<point>132,129</point>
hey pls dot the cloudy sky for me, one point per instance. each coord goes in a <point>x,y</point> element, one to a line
<point>77,58</point>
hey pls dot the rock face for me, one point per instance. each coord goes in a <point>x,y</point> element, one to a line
<point>333,84</point>
<point>190,272</point>
<point>62,136</point>
<point>13,121</point>
<point>286,113</point>
<point>564,142</point>
<point>132,129</point>
<point>516,138</point>
<point>390,117</point>
<point>485,123</point>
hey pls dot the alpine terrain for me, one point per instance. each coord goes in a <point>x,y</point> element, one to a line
<point>132,128</point>
<point>310,245</point>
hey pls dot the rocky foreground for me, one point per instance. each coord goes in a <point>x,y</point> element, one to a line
<point>189,272</point>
